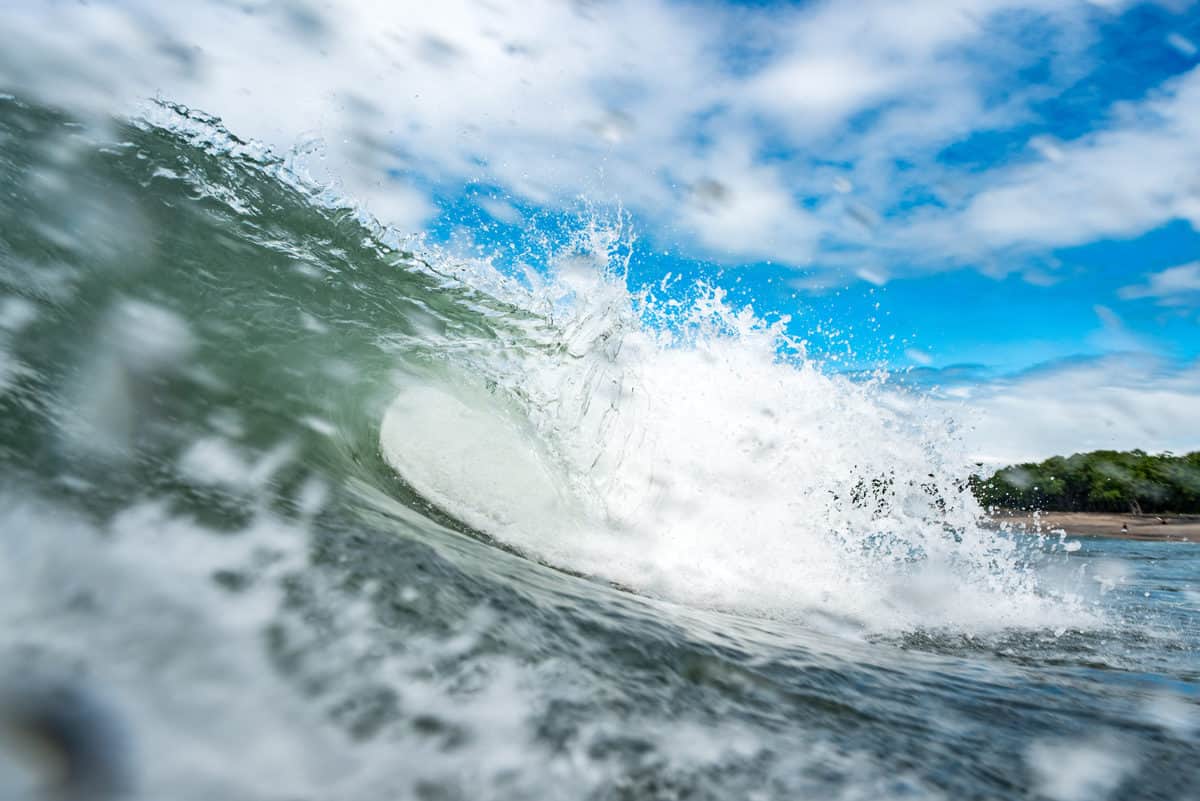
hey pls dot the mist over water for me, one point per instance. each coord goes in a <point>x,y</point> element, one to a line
<point>306,509</point>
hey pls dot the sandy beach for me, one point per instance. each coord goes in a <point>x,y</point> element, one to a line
<point>1180,528</point>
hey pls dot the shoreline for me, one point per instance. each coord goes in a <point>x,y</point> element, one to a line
<point>1147,527</point>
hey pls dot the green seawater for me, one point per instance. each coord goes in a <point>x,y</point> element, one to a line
<point>200,534</point>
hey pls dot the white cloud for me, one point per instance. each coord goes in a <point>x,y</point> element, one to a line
<point>1119,402</point>
<point>819,90</point>
<point>839,57</point>
<point>628,100</point>
<point>543,98</point>
<point>1117,182</point>
<point>737,205</point>
<point>1174,286</point>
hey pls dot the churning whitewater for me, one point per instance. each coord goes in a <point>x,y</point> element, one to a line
<point>304,508</point>
<point>614,440</point>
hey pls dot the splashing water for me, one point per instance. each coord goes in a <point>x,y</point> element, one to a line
<point>313,510</point>
<point>694,452</point>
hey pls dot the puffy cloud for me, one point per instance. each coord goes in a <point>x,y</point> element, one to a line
<point>735,205</point>
<point>1119,181</point>
<point>729,128</point>
<point>540,97</point>
<point>1175,286</point>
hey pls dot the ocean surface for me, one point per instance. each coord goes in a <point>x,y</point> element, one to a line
<point>296,507</point>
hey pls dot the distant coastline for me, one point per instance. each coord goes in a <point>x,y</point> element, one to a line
<point>1130,494</point>
<point>1166,527</point>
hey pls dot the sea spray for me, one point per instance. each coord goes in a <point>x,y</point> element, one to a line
<point>268,609</point>
<point>694,451</point>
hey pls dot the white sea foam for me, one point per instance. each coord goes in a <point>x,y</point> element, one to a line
<point>127,617</point>
<point>691,450</point>
<point>1072,771</point>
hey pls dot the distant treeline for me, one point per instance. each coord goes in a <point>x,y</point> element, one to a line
<point>1100,481</point>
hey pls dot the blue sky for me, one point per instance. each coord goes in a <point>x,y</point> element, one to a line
<point>1006,306</point>
<point>1007,185</point>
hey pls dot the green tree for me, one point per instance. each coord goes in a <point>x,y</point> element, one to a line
<point>1099,481</point>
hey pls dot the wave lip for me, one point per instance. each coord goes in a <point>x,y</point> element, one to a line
<point>703,458</point>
